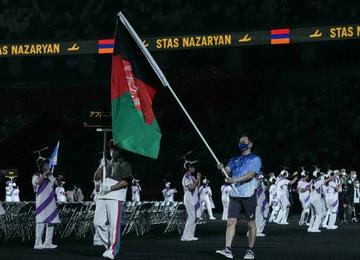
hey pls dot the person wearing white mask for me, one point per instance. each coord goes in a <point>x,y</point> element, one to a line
<point>60,192</point>
<point>168,193</point>
<point>225,193</point>
<point>303,188</point>
<point>274,201</point>
<point>262,207</point>
<point>191,201</point>
<point>205,198</point>
<point>135,190</point>
<point>15,195</point>
<point>282,188</point>
<point>315,200</point>
<point>332,201</point>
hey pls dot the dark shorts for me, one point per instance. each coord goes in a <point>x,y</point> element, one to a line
<point>247,204</point>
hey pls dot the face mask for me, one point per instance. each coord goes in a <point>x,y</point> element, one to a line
<point>243,146</point>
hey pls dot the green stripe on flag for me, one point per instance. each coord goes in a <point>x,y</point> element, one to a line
<point>130,132</point>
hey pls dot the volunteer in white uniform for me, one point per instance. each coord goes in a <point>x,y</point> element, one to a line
<point>191,201</point>
<point>225,193</point>
<point>135,190</point>
<point>60,192</point>
<point>303,188</point>
<point>282,186</point>
<point>206,198</point>
<point>315,200</point>
<point>168,193</point>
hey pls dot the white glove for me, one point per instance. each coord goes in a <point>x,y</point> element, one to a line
<point>105,188</point>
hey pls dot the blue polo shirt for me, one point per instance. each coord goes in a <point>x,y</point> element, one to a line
<point>241,165</point>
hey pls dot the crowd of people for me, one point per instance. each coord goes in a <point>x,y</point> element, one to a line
<point>325,198</point>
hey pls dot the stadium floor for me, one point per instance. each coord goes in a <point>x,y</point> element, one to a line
<point>282,242</point>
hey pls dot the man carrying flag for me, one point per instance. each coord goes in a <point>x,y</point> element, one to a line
<point>111,181</point>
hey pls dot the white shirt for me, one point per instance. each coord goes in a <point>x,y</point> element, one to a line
<point>356,195</point>
<point>168,194</point>
<point>15,195</point>
<point>282,187</point>
<point>60,194</point>
<point>225,192</point>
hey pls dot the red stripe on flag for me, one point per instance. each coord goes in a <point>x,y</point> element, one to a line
<point>106,41</point>
<point>123,80</point>
<point>280,31</point>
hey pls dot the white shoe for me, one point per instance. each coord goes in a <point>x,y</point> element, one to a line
<point>49,246</point>
<point>212,218</point>
<point>194,238</point>
<point>186,239</point>
<point>314,230</point>
<point>332,227</point>
<point>284,223</point>
<point>249,254</point>
<point>226,253</point>
<point>108,254</point>
<point>260,234</point>
<point>38,246</point>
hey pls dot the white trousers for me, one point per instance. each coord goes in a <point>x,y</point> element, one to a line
<point>39,232</point>
<point>284,209</point>
<point>225,203</point>
<point>259,220</point>
<point>189,230</point>
<point>206,200</point>
<point>107,222</point>
<point>305,211</point>
<point>316,213</point>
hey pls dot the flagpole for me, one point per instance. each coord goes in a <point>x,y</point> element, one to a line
<point>165,83</point>
<point>104,130</point>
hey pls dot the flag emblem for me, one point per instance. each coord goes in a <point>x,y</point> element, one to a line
<point>280,36</point>
<point>106,46</point>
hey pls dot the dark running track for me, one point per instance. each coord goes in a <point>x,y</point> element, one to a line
<point>282,242</point>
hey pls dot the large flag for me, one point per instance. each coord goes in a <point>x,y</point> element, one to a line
<point>54,156</point>
<point>133,86</point>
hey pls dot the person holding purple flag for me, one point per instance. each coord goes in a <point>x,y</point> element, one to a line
<point>46,212</point>
<point>191,201</point>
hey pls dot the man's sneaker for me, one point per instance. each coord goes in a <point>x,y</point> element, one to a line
<point>194,238</point>
<point>260,234</point>
<point>249,254</point>
<point>38,246</point>
<point>225,252</point>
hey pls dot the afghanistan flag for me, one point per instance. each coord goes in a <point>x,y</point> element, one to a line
<point>133,86</point>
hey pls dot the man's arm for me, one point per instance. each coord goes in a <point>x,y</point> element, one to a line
<point>98,173</point>
<point>293,181</point>
<point>192,186</point>
<point>120,185</point>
